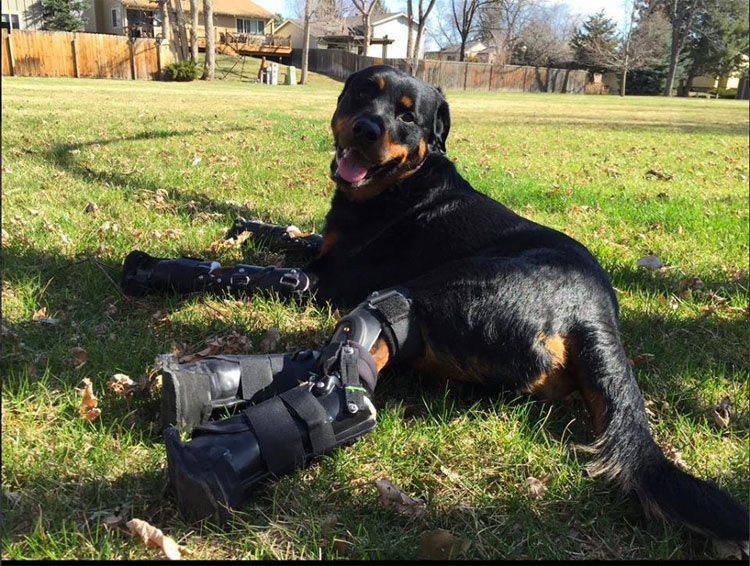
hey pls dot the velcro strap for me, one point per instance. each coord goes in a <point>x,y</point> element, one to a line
<point>279,437</point>
<point>395,308</point>
<point>353,390</point>
<point>311,412</point>
<point>256,373</point>
<point>366,367</point>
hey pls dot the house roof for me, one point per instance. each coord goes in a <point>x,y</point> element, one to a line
<point>246,8</point>
<point>470,46</point>
<point>351,26</point>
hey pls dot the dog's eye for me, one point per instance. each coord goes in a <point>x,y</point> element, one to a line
<point>407,117</point>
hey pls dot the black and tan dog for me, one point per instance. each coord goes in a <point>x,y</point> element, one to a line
<point>499,300</point>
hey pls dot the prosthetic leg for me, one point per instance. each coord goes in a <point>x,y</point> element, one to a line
<point>320,400</point>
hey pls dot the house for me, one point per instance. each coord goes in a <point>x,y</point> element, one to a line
<point>474,51</point>
<point>143,18</point>
<point>21,14</point>
<point>389,35</point>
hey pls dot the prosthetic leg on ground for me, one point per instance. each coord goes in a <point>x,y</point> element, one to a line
<point>321,399</point>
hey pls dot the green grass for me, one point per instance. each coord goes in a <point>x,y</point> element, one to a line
<point>576,163</point>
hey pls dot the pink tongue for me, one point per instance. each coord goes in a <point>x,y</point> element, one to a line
<point>350,170</point>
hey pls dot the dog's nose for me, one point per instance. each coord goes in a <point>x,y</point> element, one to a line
<point>366,131</point>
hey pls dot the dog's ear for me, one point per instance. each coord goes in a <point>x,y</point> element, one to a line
<point>441,124</point>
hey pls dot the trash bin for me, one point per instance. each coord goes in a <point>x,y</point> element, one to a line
<point>291,75</point>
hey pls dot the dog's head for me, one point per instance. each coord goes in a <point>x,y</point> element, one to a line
<point>385,124</point>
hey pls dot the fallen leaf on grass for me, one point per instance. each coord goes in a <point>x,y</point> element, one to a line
<point>728,550</point>
<point>441,545</point>
<point>151,536</point>
<point>110,519</point>
<point>13,497</point>
<point>650,262</point>
<point>81,357</point>
<point>537,486</point>
<point>661,175</point>
<point>270,340</point>
<point>395,499</point>
<point>641,359</point>
<point>722,412</point>
<point>41,317</point>
<point>450,474</point>
<point>690,283</point>
<point>233,343</point>
<point>121,384</point>
<point>88,409</point>
<point>91,207</point>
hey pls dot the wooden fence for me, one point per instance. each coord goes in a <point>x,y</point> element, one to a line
<point>64,54</point>
<point>451,75</point>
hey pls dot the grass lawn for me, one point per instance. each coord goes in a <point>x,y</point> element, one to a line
<point>169,166</point>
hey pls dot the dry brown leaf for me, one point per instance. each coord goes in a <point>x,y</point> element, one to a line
<point>151,536</point>
<point>233,343</point>
<point>41,317</point>
<point>91,207</point>
<point>722,412</point>
<point>88,408</point>
<point>728,550</point>
<point>661,175</point>
<point>450,474</point>
<point>270,340</point>
<point>81,357</point>
<point>441,545</point>
<point>694,282</point>
<point>395,499</point>
<point>641,359</point>
<point>110,519</point>
<point>537,486</point>
<point>650,261</point>
<point>121,384</point>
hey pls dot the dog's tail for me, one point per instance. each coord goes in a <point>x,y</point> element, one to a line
<point>626,454</point>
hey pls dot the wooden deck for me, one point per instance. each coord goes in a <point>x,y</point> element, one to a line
<point>249,45</point>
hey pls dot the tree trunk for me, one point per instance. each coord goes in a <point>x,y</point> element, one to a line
<point>418,41</point>
<point>305,44</point>
<point>368,31</point>
<point>182,29</point>
<point>165,25</point>
<point>194,30</point>
<point>208,21</point>
<point>462,49</point>
<point>623,81</point>
<point>673,57</point>
<point>410,38</point>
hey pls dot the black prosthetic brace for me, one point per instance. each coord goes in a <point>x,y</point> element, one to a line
<point>142,273</point>
<point>279,239</point>
<point>217,469</point>
<point>321,400</point>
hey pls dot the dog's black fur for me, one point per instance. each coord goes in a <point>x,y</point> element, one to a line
<point>500,299</point>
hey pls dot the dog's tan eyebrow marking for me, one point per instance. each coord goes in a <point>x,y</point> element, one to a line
<point>407,101</point>
<point>381,82</point>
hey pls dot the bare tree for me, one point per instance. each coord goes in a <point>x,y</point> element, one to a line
<point>209,66</point>
<point>194,31</point>
<point>681,16</point>
<point>409,30</point>
<point>501,23</point>
<point>642,43</point>
<point>423,12</point>
<point>365,7</point>
<point>545,39</point>
<point>309,11</point>
<point>465,15</point>
<point>181,30</point>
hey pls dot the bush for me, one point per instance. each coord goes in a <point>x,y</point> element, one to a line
<point>182,71</point>
<point>724,92</point>
<point>646,82</point>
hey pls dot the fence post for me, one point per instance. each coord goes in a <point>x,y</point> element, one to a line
<point>131,42</point>
<point>10,56</point>
<point>489,83</point>
<point>158,58</point>
<point>524,79</point>
<point>75,56</point>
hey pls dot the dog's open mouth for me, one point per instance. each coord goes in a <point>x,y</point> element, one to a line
<point>356,170</point>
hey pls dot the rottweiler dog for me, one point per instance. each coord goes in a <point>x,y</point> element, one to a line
<point>500,300</point>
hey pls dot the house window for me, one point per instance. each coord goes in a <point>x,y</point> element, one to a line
<point>252,27</point>
<point>11,21</point>
<point>116,18</point>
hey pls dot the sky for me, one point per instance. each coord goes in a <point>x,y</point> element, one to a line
<point>612,8</point>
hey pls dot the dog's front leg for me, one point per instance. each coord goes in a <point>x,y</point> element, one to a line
<point>297,247</point>
<point>143,273</point>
